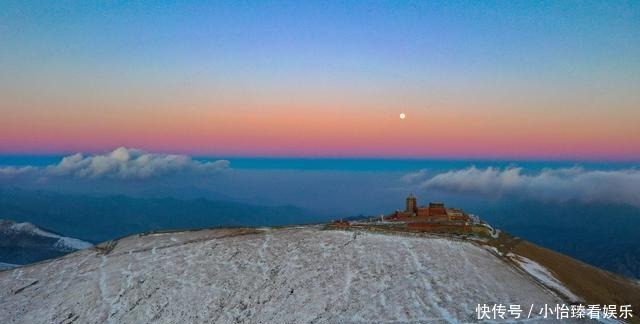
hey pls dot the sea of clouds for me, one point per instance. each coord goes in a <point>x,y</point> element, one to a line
<point>121,163</point>
<point>562,184</point>
<point>331,189</point>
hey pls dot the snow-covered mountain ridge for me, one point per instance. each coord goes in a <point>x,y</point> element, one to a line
<point>61,242</point>
<point>24,243</point>
<point>290,275</point>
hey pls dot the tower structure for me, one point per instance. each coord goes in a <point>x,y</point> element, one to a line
<point>412,204</point>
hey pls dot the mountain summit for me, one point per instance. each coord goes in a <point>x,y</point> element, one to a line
<point>290,275</point>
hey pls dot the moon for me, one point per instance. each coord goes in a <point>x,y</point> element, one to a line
<point>402,116</point>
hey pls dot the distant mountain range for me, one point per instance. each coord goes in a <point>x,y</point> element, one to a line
<point>23,243</point>
<point>99,218</point>
<point>604,235</point>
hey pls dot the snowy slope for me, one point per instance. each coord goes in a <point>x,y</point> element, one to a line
<point>545,276</point>
<point>27,230</point>
<point>293,275</point>
<point>6,266</point>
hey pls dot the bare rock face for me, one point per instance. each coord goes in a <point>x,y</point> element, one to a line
<point>291,275</point>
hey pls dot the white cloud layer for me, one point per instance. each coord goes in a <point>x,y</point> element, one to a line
<point>11,171</point>
<point>611,186</point>
<point>415,177</point>
<point>124,163</point>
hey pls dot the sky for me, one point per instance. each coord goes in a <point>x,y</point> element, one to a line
<point>476,80</point>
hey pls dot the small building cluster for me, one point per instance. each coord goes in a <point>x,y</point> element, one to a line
<point>434,217</point>
<point>435,212</point>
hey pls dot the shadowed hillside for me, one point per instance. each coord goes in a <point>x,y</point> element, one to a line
<point>101,218</point>
<point>604,235</point>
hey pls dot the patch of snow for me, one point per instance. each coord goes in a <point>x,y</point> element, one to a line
<point>7,266</point>
<point>492,249</point>
<point>609,320</point>
<point>433,298</point>
<point>290,275</point>
<point>31,229</point>
<point>545,276</point>
<point>71,244</point>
